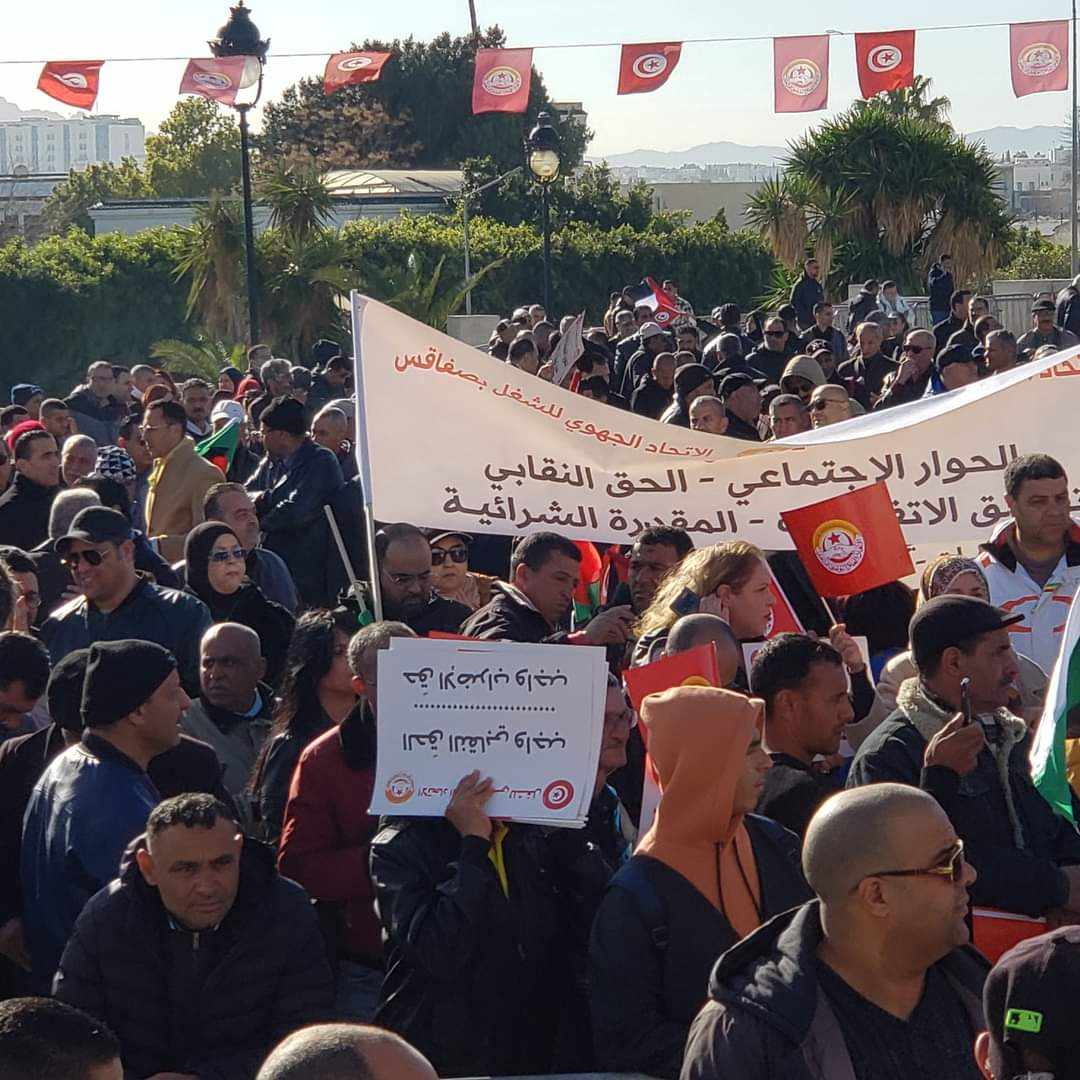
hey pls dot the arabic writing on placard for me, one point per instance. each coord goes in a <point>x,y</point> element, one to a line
<point>427,679</point>
<point>437,740</point>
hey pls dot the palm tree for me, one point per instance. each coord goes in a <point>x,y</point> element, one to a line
<point>203,357</point>
<point>912,101</point>
<point>300,203</point>
<point>776,210</point>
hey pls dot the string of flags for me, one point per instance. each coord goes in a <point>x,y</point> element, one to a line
<point>885,60</point>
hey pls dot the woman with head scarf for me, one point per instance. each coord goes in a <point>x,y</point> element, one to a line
<point>952,575</point>
<point>706,874</point>
<point>217,575</point>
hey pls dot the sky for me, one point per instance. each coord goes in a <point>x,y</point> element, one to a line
<point>718,92</point>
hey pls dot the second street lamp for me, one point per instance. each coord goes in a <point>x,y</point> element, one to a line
<point>240,37</point>
<point>542,155</point>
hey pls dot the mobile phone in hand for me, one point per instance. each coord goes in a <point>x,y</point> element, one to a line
<point>965,700</point>
<point>686,603</point>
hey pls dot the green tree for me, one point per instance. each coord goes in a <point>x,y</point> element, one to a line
<point>1028,256</point>
<point>69,202</point>
<point>913,101</point>
<point>195,151</point>
<point>298,199</point>
<point>425,92</point>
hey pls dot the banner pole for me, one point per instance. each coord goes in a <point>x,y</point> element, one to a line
<point>361,451</point>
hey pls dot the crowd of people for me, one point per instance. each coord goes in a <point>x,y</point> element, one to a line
<point>192,886</point>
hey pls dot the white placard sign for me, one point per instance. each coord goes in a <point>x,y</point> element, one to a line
<point>529,716</point>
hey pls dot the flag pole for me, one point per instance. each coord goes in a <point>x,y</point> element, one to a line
<point>1072,216</point>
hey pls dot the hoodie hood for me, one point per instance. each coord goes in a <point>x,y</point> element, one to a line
<point>698,739</point>
<point>803,367</point>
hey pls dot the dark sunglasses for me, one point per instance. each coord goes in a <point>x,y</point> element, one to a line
<point>456,554</point>
<point>952,869</point>
<point>236,553</point>
<point>915,348</point>
<point>823,403</point>
<point>92,556</point>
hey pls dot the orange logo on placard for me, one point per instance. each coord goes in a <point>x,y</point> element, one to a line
<point>400,788</point>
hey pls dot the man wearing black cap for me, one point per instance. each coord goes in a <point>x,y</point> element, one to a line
<point>742,406</point>
<point>1044,332</point>
<point>1027,857</point>
<point>1030,1004</point>
<point>956,367</point>
<point>691,381</point>
<point>95,797</point>
<point>116,603</point>
<point>294,481</point>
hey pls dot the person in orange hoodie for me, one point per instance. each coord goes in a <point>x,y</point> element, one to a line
<point>707,873</point>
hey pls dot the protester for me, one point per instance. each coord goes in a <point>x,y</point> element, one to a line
<point>93,408</point>
<point>330,429</point>
<point>95,797</point>
<point>22,572</point>
<point>691,381</point>
<point>707,414</point>
<point>42,1039</point>
<point>822,329</point>
<point>1032,560</point>
<point>653,342</point>
<point>114,603</point>
<point>1000,352</point>
<point>1044,332</point>
<point>192,886</point>
<point>807,293</point>
<point>291,487</point>
<point>910,380</point>
<point>1028,858</point>
<point>778,347</point>
<point>327,831</point>
<point>957,319</point>
<point>78,459</point>
<point>742,407</point>
<point>450,574</point>
<point>545,569</point>
<point>316,694</point>
<point>654,390</point>
<point>788,416</point>
<point>652,556</point>
<point>873,979</point>
<point>829,404</point>
<point>56,419</point>
<point>233,711</point>
<point>956,367</point>
<point>329,383</point>
<point>216,574</point>
<point>179,481</point>
<point>865,373</point>
<point>654,940</point>
<point>24,670</point>
<point>54,581</point>
<point>24,507</point>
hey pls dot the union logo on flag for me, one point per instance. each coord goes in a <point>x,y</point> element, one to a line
<point>1039,59</point>
<point>502,81</point>
<point>801,77</point>
<point>839,546</point>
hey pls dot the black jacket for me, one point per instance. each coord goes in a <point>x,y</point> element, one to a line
<point>212,1003</point>
<point>939,284</point>
<point>677,413</point>
<point>100,422</point>
<point>832,337</point>
<point>293,520</point>
<point>650,398</point>
<point>806,292</point>
<point>793,792</point>
<point>864,378</point>
<point>945,330</point>
<point>24,513</point>
<point>654,943</point>
<point>767,1018</point>
<point>739,429</point>
<point>861,306</point>
<point>440,614</point>
<point>476,979</point>
<point>1067,312</point>
<point>1025,880</point>
<point>506,618</point>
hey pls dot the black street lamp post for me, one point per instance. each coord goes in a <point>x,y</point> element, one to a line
<point>240,37</point>
<point>542,155</point>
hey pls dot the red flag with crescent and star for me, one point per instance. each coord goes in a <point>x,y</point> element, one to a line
<point>351,68</point>
<point>74,82</point>
<point>850,543</point>
<point>644,68</point>
<point>886,61</point>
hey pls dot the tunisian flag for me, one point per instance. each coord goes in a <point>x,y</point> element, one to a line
<point>850,543</point>
<point>885,61</point>
<point>801,71</point>
<point>74,82</point>
<point>502,80</point>
<point>643,68</point>
<point>217,78</point>
<point>350,68</point>
<point>1039,57</point>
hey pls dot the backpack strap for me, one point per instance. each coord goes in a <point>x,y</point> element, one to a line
<point>633,880</point>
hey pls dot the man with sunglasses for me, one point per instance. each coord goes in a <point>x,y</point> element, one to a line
<point>778,346</point>
<point>874,979</point>
<point>977,768</point>
<point>405,581</point>
<point>116,603</point>
<point>829,404</point>
<point>910,380</point>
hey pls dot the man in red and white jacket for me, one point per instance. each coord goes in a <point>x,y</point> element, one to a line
<point>1032,561</point>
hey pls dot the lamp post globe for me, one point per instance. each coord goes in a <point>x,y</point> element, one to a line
<point>542,157</point>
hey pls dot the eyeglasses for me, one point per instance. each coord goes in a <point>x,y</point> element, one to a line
<point>404,580</point>
<point>454,554</point>
<point>952,869</point>
<point>236,553</point>
<point>92,556</point>
<point>152,427</point>
<point>823,403</point>
<point>915,348</point>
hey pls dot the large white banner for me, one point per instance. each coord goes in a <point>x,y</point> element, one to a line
<point>451,437</point>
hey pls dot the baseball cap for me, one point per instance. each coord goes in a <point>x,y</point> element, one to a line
<point>948,620</point>
<point>434,536</point>
<point>1042,305</point>
<point>733,382</point>
<point>230,410</point>
<point>21,393</point>
<point>95,525</point>
<point>954,354</point>
<point>648,330</point>
<point>1029,1002</point>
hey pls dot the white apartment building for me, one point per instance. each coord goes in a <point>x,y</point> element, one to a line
<point>52,145</point>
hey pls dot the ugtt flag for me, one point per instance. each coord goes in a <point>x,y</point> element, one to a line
<point>1039,57</point>
<point>501,80</point>
<point>801,73</point>
<point>851,543</point>
<point>1048,765</point>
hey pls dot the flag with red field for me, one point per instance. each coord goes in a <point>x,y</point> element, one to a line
<point>647,292</point>
<point>74,82</point>
<point>1039,57</point>
<point>217,78</point>
<point>501,80</point>
<point>644,68</point>
<point>886,61</point>
<point>587,593</point>
<point>782,618</point>
<point>801,73</point>
<point>850,543</point>
<point>353,68</point>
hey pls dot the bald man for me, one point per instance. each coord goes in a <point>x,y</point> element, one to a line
<point>233,710</point>
<point>345,1052</point>
<point>701,629</point>
<point>874,979</point>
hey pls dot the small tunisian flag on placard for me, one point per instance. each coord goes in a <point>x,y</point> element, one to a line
<point>502,80</point>
<point>350,68</point>
<point>217,78</point>
<point>801,71</point>
<point>74,82</point>
<point>885,61</point>
<point>850,543</point>
<point>647,67</point>
<point>1039,57</point>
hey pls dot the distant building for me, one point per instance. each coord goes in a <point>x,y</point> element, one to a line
<point>570,113</point>
<point>49,144</point>
<point>1041,183</point>
<point>705,199</point>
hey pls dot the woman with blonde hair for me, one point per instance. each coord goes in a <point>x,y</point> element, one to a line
<point>731,580</point>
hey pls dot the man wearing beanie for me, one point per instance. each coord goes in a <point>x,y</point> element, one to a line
<point>691,381</point>
<point>93,800</point>
<point>292,484</point>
